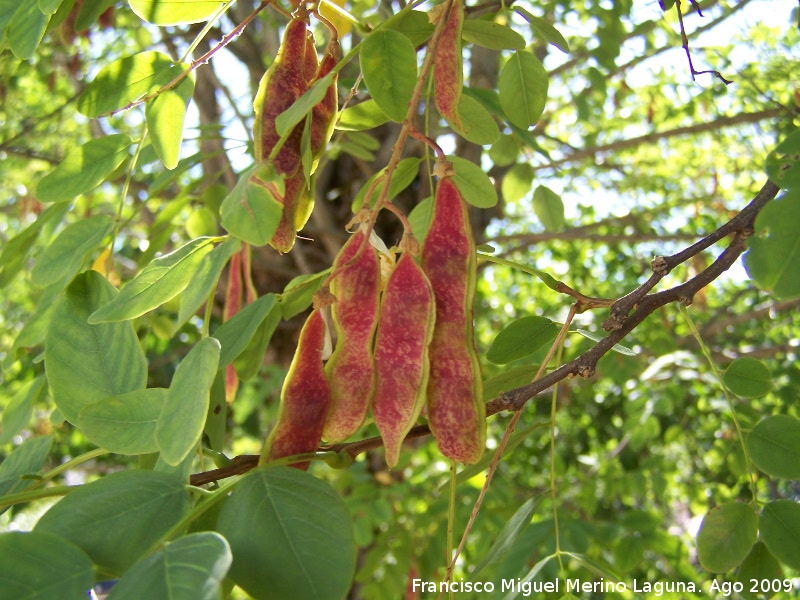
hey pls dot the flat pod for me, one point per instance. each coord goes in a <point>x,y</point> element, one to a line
<point>305,397</point>
<point>448,74</point>
<point>350,370</point>
<point>456,412</point>
<point>405,328</point>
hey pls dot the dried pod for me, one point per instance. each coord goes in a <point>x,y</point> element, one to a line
<point>350,370</point>
<point>448,68</point>
<point>405,329</point>
<point>305,397</point>
<point>456,412</point>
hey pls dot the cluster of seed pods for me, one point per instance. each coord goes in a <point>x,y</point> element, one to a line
<point>397,350</point>
<point>294,70</point>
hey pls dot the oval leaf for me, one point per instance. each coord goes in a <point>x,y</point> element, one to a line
<point>783,163</point>
<point>726,536</point>
<point>479,127</point>
<point>41,566</point>
<point>491,35</point>
<point>159,282</point>
<point>780,529</point>
<point>165,116</point>
<point>774,250</point>
<point>521,338</point>
<point>176,12</point>
<point>414,24</point>
<point>361,116</point>
<point>523,89</point>
<point>774,446</point>
<point>389,65</point>
<point>475,186</point>
<point>26,459</point>
<point>280,521</point>
<point>17,413</point>
<point>517,182</point>
<point>125,424</point>
<point>26,29</point>
<point>403,176</point>
<point>759,565</point>
<point>126,80</point>
<point>64,256</point>
<point>84,168</point>
<point>85,362</point>
<point>119,517</point>
<point>549,207</point>
<point>180,424</point>
<point>748,378</point>
<point>190,568</point>
<point>251,211</point>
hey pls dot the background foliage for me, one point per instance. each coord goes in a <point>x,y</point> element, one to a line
<point>692,426</point>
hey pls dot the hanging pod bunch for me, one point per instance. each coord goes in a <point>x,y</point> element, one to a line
<point>405,329</point>
<point>355,284</point>
<point>294,70</point>
<point>456,413</point>
<point>305,397</point>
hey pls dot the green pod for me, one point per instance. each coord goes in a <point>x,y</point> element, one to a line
<point>456,413</point>
<point>448,68</point>
<point>405,329</point>
<point>305,398</point>
<point>350,370</point>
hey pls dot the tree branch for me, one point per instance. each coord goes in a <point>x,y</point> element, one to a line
<point>584,365</point>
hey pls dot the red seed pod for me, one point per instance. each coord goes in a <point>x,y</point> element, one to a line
<point>456,412</point>
<point>448,68</point>
<point>405,328</point>
<point>295,191</point>
<point>350,370</point>
<point>305,397</point>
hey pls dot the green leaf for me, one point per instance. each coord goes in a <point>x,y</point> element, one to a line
<point>510,532</point>
<point>523,89</point>
<point>251,211</point>
<point>748,378</point>
<point>420,218</point>
<point>279,522</point>
<point>190,568</point>
<point>84,168</point>
<point>413,24</point>
<point>26,30</point>
<point>159,282</point>
<point>206,278</point>
<point>509,379</point>
<point>303,105</point>
<point>517,182</point>
<point>779,525</point>
<point>41,566</point>
<point>165,116</point>
<point>236,333</point>
<point>90,12</point>
<point>126,80</point>
<point>249,362</point>
<point>529,576</point>
<point>86,362</point>
<point>726,536</point>
<point>505,150</point>
<point>774,446</point>
<point>117,518</point>
<point>217,415</point>
<point>491,35</point>
<point>479,127</point>
<point>760,566</point>
<point>17,413</point>
<point>619,348</point>
<point>49,7</point>
<point>298,293</point>
<point>176,12</point>
<point>64,257</point>
<point>774,250</point>
<point>549,208</point>
<point>783,163</point>
<point>361,116</point>
<point>389,65</point>
<point>544,29</point>
<point>125,424</point>
<point>521,338</point>
<point>180,424</point>
<point>26,459</point>
<point>474,184</point>
<point>404,175</point>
